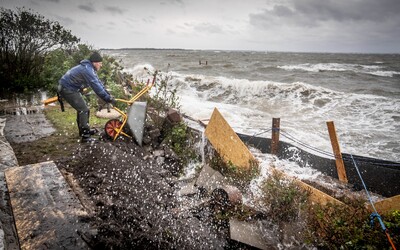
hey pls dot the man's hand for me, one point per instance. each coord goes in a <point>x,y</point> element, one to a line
<point>113,101</point>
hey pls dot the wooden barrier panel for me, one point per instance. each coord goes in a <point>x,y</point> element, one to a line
<point>316,195</point>
<point>386,205</point>
<point>226,142</point>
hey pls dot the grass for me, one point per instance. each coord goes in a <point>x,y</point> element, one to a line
<point>59,144</point>
<point>65,122</point>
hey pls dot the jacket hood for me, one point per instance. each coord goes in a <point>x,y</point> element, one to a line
<point>86,62</point>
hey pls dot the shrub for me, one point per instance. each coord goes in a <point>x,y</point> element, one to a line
<point>283,197</point>
<point>178,137</point>
<point>349,227</point>
<point>238,175</point>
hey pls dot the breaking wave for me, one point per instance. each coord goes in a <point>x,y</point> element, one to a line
<point>377,70</point>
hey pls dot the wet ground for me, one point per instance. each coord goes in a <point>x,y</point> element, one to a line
<point>134,200</point>
<point>130,192</point>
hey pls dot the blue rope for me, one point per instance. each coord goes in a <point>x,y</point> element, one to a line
<point>259,133</point>
<point>372,220</point>
<point>375,214</point>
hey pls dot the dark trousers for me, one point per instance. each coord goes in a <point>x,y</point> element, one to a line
<point>75,99</point>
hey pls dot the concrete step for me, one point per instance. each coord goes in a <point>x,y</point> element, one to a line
<point>46,211</point>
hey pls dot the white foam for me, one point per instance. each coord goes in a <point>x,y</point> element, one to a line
<point>385,73</point>
<point>141,72</point>
<point>365,123</point>
<point>377,70</point>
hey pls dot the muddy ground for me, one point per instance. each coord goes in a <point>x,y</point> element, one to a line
<point>134,201</point>
<point>130,193</point>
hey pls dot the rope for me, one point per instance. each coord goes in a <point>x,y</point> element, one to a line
<point>292,138</point>
<point>344,157</point>
<point>375,214</point>
<point>262,132</point>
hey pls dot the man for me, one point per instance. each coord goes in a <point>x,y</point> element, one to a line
<point>71,85</point>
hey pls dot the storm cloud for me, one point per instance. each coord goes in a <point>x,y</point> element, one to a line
<point>367,26</point>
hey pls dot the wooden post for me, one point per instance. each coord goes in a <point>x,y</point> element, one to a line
<point>336,151</point>
<point>275,135</point>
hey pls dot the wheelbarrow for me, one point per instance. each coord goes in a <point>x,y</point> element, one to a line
<point>135,115</point>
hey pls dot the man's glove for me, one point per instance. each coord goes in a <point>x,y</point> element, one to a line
<point>113,101</point>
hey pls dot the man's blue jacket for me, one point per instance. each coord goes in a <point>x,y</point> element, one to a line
<point>82,76</point>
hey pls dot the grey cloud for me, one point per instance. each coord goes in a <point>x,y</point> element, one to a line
<point>65,20</point>
<point>87,8</point>
<point>282,11</point>
<point>149,19</point>
<point>367,10</point>
<point>208,27</point>
<point>114,10</point>
<point>314,12</point>
<point>172,2</point>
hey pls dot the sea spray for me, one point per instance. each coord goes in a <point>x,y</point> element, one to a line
<point>358,92</point>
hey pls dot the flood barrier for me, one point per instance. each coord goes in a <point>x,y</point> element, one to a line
<point>381,176</point>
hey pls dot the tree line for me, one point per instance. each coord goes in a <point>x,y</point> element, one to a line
<point>35,52</point>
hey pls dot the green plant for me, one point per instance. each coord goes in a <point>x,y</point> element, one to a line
<point>164,97</point>
<point>178,137</point>
<point>238,175</point>
<point>348,227</point>
<point>283,196</point>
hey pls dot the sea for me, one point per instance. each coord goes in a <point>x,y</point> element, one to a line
<point>360,93</point>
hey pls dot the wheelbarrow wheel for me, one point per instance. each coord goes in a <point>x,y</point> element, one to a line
<point>111,127</point>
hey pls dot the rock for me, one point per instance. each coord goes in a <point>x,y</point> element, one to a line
<point>173,116</point>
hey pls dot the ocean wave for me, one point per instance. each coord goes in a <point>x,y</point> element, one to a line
<point>141,72</point>
<point>377,70</point>
<point>362,119</point>
<point>385,73</point>
<point>316,67</point>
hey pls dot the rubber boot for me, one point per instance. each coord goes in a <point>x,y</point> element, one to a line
<point>86,137</point>
<point>93,131</point>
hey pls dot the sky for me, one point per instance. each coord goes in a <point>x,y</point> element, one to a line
<point>344,26</point>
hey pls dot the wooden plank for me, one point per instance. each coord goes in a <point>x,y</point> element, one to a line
<point>387,205</point>
<point>316,195</point>
<point>47,213</point>
<point>226,142</point>
<point>336,150</point>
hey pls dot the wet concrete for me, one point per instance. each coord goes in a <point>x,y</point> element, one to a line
<point>47,213</point>
<point>25,128</point>
<point>8,234</point>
